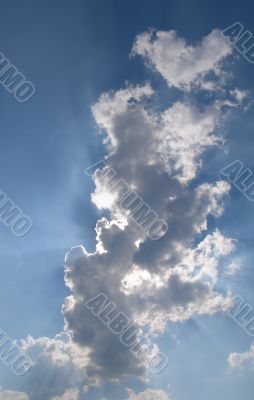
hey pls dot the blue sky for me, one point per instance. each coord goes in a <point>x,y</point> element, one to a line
<point>73,52</point>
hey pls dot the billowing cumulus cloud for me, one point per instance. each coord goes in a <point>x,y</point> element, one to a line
<point>153,157</point>
<point>157,153</point>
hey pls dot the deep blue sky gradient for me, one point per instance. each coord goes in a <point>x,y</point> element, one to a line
<point>72,51</point>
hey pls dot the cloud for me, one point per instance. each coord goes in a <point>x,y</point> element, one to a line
<point>159,154</point>
<point>89,275</point>
<point>186,289</point>
<point>173,139</point>
<point>233,267</point>
<point>71,394</point>
<point>10,395</point>
<point>180,64</point>
<point>148,394</point>
<point>59,359</point>
<point>243,360</point>
<point>239,95</point>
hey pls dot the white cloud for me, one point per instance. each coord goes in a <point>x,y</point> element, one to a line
<point>183,135</point>
<point>203,261</point>
<point>242,360</point>
<point>59,359</point>
<point>112,105</point>
<point>148,394</point>
<point>10,395</point>
<point>239,95</point>
<point>186,289</point>
<point>60,351</point>
<point>174,139</point>
<point>181,64</point>
<point>233,267</point>
<point>71,394</point>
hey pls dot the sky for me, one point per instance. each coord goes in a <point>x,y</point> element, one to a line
<point>156,91</point>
